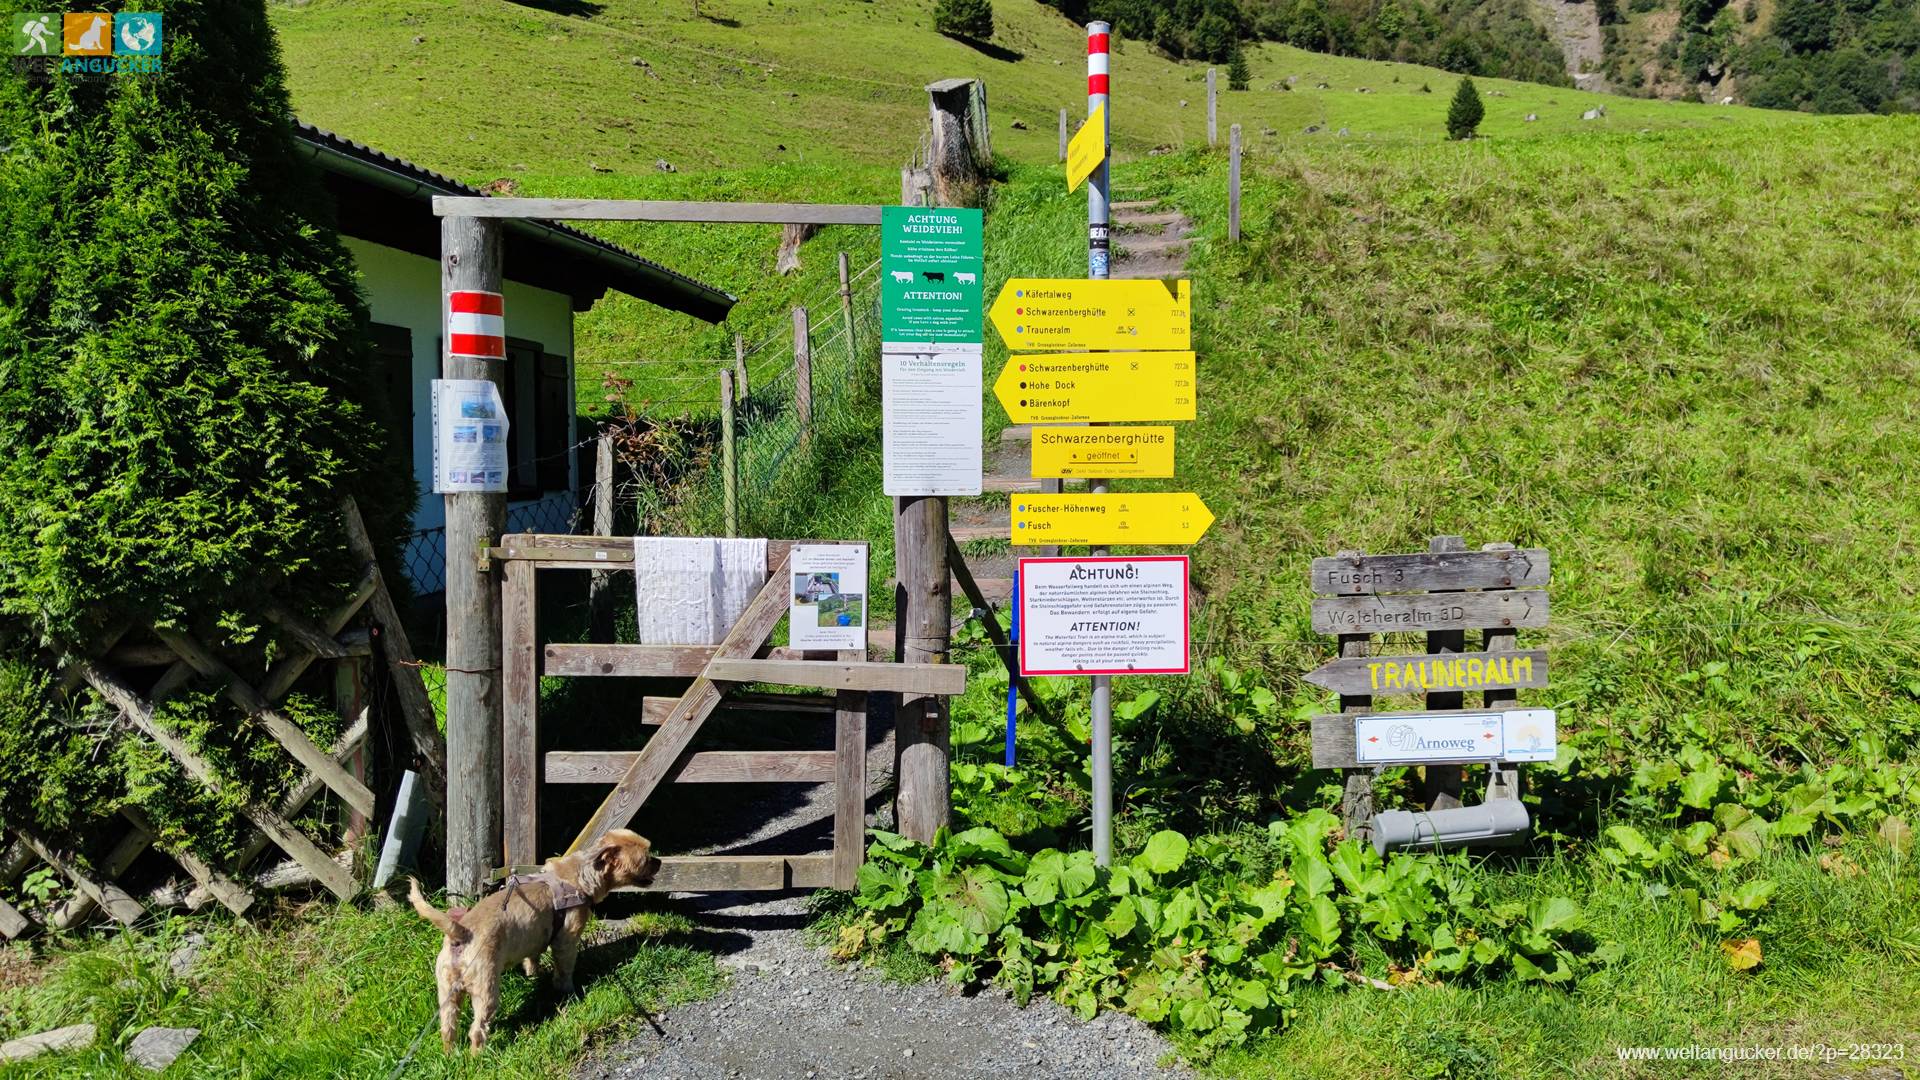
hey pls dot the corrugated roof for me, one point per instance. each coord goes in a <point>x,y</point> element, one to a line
<point>625,270</point>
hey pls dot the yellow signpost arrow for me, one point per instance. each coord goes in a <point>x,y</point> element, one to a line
<point>1157,517</point>
<point>1069,314</point>
<point>1088,148</point>
<point>1071,388</point>
<point>1103,451</point>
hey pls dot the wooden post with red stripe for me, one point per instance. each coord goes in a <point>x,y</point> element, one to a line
<point>475,334</point>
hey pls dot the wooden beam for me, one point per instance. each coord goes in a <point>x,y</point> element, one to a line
<point>519,713</point>
<point>849,782</point>
<point>303,792</point>
<point>1443,783</point>
<point>664,749</point>
<point>232,895</point>
<point>707,767</point>
<point>110,897</point>
<point>13,922</point>
<point>416,708</point>
<point>284,731</point>
<point>568,551</point>
<point>657,210</point>
<point>1412,613</point>
<point>1333,739</point>
<point>315,640</point>
<point>1002,647</point>
<point>294,842</point>
<point>1426,571</point>
<point>645,661</point>
<point>942,679</point>
<point>282,676</point>
<point>655,710</point>
<point>75,911</point>
<point>740,873</point>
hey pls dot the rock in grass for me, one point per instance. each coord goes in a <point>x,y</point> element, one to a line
<point>156,1048</point>
<point>77,1037</point>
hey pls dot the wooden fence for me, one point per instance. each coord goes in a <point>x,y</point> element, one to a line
<point>362,627</point>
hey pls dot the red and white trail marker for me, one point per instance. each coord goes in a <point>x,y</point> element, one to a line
<point>477,324</point>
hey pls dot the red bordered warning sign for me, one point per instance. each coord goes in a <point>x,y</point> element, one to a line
<point>477,324</point>
<point>1104,615</point>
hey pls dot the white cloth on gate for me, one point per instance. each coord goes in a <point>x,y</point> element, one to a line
<point>691,590</point>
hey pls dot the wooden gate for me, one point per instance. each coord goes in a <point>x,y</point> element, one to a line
<point>716,671</point>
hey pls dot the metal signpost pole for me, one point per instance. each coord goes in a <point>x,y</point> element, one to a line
<point>1098,192</point>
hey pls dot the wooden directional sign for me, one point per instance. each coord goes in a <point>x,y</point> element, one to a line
<point>1419,612</point>
<point>1088,148</point>
<point>1436,672</point>
<point>1061,314</point>
<point>1158,517</point>
<point>1435,570</point>
<point>1103,451</point>
<point>1097,387</point>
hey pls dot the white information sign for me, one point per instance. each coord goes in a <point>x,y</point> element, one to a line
<point>1120,615</point>
<point>828,609</point>
<point>469,436</point>
<point>1411,738</point>
<point>930,404</point>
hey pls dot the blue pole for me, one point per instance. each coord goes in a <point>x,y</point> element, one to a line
<point>1013,638</point>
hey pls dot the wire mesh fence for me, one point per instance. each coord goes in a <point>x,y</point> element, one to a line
<point>797,395</point>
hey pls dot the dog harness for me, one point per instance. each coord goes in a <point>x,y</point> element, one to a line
<point>566,896</point>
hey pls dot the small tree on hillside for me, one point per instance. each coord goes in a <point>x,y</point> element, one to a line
<point>1464,115</point>
<point>969,19</point>
<point>1239,77</point>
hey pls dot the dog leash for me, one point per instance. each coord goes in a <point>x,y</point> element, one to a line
<point>407,1058</point>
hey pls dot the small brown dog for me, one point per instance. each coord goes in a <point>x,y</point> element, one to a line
<point>515,924</point>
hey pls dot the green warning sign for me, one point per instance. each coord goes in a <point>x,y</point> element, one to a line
<point>931,277</point>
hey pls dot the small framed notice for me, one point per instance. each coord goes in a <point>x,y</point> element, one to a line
<point>828,606</point>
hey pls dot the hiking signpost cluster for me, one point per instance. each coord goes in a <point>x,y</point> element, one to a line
<point>1097,352</point>
<point>1441,593</point>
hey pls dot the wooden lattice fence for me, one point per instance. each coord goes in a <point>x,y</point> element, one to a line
<point>363,627</point>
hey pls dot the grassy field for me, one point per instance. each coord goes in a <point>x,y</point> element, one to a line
<point>348,994</point>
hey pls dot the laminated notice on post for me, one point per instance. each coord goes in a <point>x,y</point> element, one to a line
<point>469,436</point>
<point>930,406</point>
<point>1122,615</point>
<point>828,607</point>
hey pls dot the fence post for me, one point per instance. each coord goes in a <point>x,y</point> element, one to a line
<point>470,258</point>
<point>1213,98</point>
<point>729,460</point>
<point>922,740</point>
<point>803,374</point>
<point>600,588</point>
<point>1233,184</point>
<point>1063,134</point>
<point>846,314</point>
<point>740,366</point>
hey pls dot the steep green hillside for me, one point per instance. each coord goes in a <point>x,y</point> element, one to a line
<point>487,88</point>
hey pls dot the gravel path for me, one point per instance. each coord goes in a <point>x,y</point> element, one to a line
<point>791,1012</point>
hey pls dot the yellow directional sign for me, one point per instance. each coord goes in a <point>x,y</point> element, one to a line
<point>1103,451</point>
<point>1157,517</point>
<point>1061,314</point>
<point>1088,148</point>
<point>1071,388</point>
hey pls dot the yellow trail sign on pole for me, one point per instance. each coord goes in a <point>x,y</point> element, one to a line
<point>1061,314</point>
<point>1088,148</point>
<point>1072,388</point>
<point>1157,517</point>
<point>1103,451</point>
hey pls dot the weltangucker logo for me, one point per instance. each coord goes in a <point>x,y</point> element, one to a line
<point>88,42</point>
